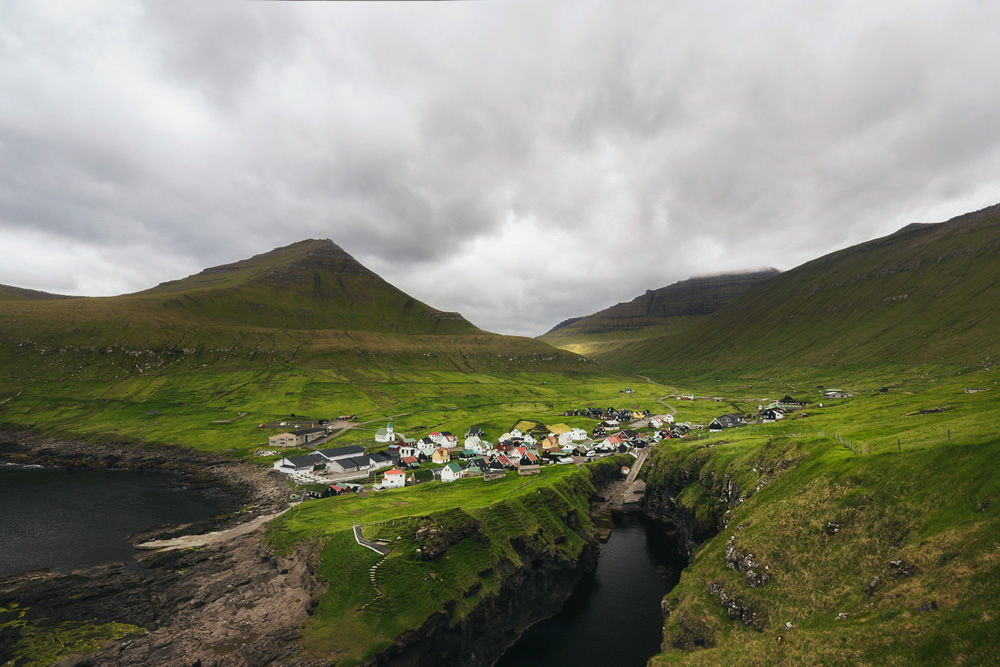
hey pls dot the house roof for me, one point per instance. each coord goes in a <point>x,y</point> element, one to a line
<point>305,431</point>
<point>394,471</point>
<point>304,460</point>
<point>342,452</point>
<point>356,461</point>
<point>454,467</point>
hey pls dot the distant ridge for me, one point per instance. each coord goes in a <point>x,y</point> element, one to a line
<point>926,294</point>
<point>7,292</point>
<point>667,310</point>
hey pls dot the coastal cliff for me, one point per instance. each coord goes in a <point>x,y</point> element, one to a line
<point>264,598</point>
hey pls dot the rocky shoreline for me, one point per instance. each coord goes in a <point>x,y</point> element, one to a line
<point>235,603</point>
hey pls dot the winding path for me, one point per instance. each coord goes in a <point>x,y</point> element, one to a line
<point>374,546</point>
<point>673,410</point>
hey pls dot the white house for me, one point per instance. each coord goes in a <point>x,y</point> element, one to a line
<point>610,442</point>
<point>394,479</point>
<point>451,472</point>
<point>444,439</point>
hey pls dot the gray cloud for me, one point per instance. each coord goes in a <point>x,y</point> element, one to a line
<point>518,162</point>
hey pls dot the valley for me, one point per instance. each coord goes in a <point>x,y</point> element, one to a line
<point>859,527</point>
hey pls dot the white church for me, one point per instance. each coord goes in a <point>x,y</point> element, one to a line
<point>385,434</point>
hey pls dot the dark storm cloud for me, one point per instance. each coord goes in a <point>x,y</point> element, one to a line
<point>519,162</point>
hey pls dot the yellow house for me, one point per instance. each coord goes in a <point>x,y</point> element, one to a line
<point>441,455</point>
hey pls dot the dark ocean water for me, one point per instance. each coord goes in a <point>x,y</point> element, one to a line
<point>613,616</point>
<point>62,520</point>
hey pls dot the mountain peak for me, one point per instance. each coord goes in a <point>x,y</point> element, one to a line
<point>283,265</point>
<point>310,284</point>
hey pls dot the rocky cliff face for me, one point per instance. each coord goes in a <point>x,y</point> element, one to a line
<point>529,593</point>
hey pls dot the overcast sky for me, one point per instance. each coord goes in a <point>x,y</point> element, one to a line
<point>518,162</point>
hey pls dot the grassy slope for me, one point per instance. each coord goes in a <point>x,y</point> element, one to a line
<point>184,408</point>
<point>550,511</point>
<point>9,293</point>
<point>926,294</point>
<point>915,496</point>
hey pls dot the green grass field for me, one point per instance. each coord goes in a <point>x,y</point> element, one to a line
<point>914,500</point>
<point>199,408</point>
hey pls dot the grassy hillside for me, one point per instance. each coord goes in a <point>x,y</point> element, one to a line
<point>9,293</point>
<point>306,304</point>
<point>305,286</point>
<point>219,409</point>
<point>925,294</point>
<point>880,509</point>
<point>228,340</point>
<point>666,311</point>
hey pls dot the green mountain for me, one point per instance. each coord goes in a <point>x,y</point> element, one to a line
<point>926,294</point>
<point>665,311</point>
<point>310,302</point>
<point>307,285</point>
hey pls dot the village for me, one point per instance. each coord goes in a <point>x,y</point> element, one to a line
<point>392,460</point>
